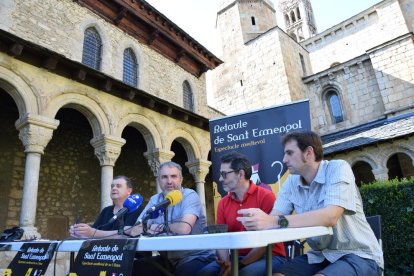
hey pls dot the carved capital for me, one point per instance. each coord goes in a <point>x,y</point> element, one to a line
<point>107,148</point>
<point>35,132</point>
<point>198,169</point>
<point>156,157</point>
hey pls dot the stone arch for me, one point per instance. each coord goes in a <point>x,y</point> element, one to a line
<point>106,46</point>
<point>87,106</point>
<point>364,158</point>
<point>24,97</point>
<point>187,141</point>
<point>119,57</point>
<point>389,151</point>
<point>398,151</point>
<point>148,130</point>
<point>359,167</point>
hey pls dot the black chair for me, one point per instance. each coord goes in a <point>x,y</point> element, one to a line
<point>375,223</point>
<point>294,248</point>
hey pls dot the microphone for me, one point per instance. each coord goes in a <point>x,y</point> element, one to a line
<point>172,198</point>
<point>131,204</point>
<point>157,213</point>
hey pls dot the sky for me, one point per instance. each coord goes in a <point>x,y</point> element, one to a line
<point>198,17</point>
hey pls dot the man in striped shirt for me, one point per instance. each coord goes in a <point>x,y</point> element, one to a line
<point>323,193</point>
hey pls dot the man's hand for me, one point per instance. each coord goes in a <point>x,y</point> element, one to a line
<point>133,231</point>
<point>82,230</point>
<point>225,267</point>
<point>256,219</point>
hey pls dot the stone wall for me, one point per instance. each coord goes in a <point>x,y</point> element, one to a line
<point>357,89</point>
<point>407,7</point>
<point>353,37</point>
<point>393,64</point>
<point>266,72</point>
<point>60,25</point>
<point>263,14</point>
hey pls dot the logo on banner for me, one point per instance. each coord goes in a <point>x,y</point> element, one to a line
<point>105,258</point>
<point>32,259</point>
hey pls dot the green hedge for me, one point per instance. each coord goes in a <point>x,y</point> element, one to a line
<point>394,201</point>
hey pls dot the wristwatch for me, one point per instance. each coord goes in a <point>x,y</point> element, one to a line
<point>283,222</point>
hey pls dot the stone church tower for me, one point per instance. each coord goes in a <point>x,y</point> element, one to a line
<point>263,66</point>
<point>296,18</point>
<point>242,20</point>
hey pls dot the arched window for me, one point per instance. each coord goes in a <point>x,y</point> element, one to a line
<point>130,72</point>
<point>92,49</point>
<point>292,16</point>
<point>188,100</point>
<point>287,20</point>
<point>298,12</point>
<point>334,104</point>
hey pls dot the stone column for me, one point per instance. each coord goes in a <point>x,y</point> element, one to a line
<point>107,149</point>
<point>199,170</point>
<point>380,173</point>
<point>155,158</point>
<point>35,132</point>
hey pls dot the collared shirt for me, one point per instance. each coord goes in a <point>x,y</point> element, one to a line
<point>334,184</point>
<point>189,205</point>
<point>255,197</point>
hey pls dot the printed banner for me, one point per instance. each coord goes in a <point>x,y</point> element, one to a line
<point>257,135</point>
<point>105,258</point>
<point>32,259</point>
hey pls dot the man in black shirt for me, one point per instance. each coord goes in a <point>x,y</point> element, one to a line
<point>121,188</point>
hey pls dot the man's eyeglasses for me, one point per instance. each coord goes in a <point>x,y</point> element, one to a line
<point>224,174</point>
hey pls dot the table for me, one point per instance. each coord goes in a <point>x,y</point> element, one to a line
<point>232,241</point>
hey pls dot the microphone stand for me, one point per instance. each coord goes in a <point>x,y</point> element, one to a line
<point>145,227</point>
<point>166,228</point>
<point>121,220</point>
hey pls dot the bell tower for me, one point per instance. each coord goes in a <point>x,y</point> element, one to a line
<point>296,18</point>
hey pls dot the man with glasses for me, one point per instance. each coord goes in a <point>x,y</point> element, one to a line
<point>235,173</point>
<point>323,193</point>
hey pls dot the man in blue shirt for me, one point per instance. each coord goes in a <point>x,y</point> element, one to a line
<point>185,218</point>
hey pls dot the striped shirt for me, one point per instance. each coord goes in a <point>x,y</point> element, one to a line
<point>334,184</point>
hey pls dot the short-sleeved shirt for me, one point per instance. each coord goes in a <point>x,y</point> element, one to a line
<point>255,197</point>
<point>334,184</point>
<point>108,212</point>
<point>189,205</point>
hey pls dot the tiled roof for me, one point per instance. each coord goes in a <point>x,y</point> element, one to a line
<point>371,133</point>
